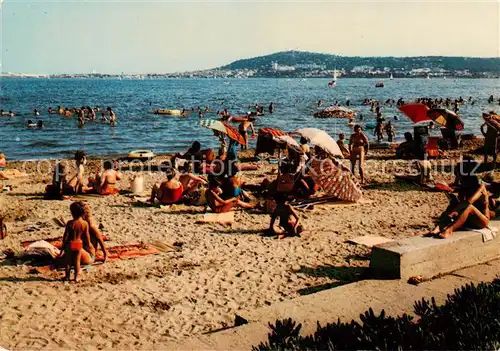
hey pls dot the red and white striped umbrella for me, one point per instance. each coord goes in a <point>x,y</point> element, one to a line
<point>335,179</point>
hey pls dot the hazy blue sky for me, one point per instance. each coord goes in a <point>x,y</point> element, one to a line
<point>168,36</point>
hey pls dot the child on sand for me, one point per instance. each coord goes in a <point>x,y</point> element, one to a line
<point>289,220</point>
<point>76,236</point>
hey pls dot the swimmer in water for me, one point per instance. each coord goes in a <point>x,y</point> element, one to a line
<point>36,113</point>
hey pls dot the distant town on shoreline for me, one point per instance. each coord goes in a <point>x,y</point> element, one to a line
<point>300,64</point>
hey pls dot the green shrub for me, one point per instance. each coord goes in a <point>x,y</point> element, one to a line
<point>468,320</point>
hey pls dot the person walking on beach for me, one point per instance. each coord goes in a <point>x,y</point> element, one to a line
<point>389,129</point>
<point>379,131</point>
<point>490,142</point>
<point>358,147</point>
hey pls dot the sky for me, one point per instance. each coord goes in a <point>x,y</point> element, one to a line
<point>171,36</point>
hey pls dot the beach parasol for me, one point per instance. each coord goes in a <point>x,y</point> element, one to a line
<point>321,139</point>
<point>334,179</point>
<point>225,128</point>
<point>335,112</point>
<point>416,112</point>
<point>290,142</point>
<point>446,118</point>
<point>266,142</point>
<point>492,120</point>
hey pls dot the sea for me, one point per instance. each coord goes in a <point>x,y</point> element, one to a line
<point>138,128</point>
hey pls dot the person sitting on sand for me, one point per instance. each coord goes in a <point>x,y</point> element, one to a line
<point>232,187</point>
<point>192,185</point>
<point>289,220</point>
<point>406,150</point>
<point>168,192</point>
<point>76,236</point>
<point>77,181</point>
<point>105,183</point>
<point>470,209</point>
<point>342,147</point>
<point>96,240</point>
<point>219,205</point>
<point>193,154</point>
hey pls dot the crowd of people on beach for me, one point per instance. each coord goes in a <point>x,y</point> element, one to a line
<point>200,177</point>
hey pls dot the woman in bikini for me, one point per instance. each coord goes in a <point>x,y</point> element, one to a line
<point>218,204</point>
<point>105,184</point>
<point>168,192</point>
<point>358,147</point>
<point>471,208</point>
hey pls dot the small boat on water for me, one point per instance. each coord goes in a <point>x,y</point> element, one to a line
<point>391,77</point>
<point>379,85</point>
<point>167,112</point>
<point>428,77</point>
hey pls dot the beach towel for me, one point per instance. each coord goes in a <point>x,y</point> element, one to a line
<point>222,218</point>
<point>57,241</point>
<point>127,251</point>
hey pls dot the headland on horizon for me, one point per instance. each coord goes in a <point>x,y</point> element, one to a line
<point>302,64</point>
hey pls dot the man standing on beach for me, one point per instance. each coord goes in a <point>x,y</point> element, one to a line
<point>358,147</point>
<point>243,129</point>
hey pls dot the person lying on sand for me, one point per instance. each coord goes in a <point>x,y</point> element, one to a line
<point>289,220</point>
<point>470,209</point>
<point>168,192</point>
<point>8,174</point>
<point>76,237</point>
<point>219,205</point>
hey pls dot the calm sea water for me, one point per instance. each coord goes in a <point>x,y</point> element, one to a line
<point>138,128</point>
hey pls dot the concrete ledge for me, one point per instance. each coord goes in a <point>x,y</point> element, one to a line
<point>346,302</point>
<point>429,257</point>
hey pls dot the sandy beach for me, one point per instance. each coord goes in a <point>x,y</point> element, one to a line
<point>218,271</point>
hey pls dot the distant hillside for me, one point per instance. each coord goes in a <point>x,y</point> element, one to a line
<point>330,62</point>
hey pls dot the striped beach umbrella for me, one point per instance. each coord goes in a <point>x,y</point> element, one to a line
<point>335,179</point>
<point>446,118</point>
<point>225,128</point>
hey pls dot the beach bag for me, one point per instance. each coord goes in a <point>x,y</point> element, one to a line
<point>137,185</point>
